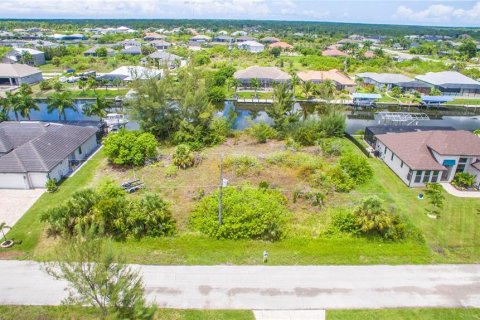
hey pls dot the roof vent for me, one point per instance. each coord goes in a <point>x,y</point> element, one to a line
<point>47,125</point>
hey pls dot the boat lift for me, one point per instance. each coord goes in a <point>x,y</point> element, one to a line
<point>401,118</point>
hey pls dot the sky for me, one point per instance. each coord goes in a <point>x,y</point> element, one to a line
<point>426,12</point>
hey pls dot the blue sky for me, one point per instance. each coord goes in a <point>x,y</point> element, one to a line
<point>426,12</point>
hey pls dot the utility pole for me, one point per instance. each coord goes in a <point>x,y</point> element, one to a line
<point>220,187</point>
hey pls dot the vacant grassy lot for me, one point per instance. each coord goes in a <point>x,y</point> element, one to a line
<point>405,314</point>
<point>454,238</point>
<point>42,312</point>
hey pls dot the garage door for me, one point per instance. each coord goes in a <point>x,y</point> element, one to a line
<point>11,181</point>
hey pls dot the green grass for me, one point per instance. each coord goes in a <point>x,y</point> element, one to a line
<point>405,314</point>
<point>29,228</point>
<point>67,312</point>
<point>465,101</point>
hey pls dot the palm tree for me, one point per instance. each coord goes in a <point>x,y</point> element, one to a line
<point>4,226</point>
<point>25,89</point>
<point>10,102</point>
<point>60,101</point>
<point>82,84</point>
<point>27,57</point>
<point>98,108</point>
<point>25,104</point>
<point>327,89</point>
<point>308,88</point>
<point>295,80</point>
<point>255,84</point>
<point>92,84</point>
<point>117,83</point>
<point>236,83</point>
<point>5,108</point>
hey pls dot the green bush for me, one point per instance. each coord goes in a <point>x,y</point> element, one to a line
<point>51,185</point>
<point>130,147</point>
<point>171,171</point>
<point>333,125</point>
<point>248,213</point>
<point>261,131</point>
<point>112,213</point>
<point>334,178</point>
<point>183,156</point>
<point>242,165</point>
<point>216,94</point>
<point>464,180</point>
<point>304,162</point>
<point>357,167</point>
<point>331,146</point>
<point>306,133</point>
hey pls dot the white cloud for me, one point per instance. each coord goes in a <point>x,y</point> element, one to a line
<point>438,13</point>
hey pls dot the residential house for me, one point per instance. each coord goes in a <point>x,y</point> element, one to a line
<point>200,39</point>
<point>223,39</point>
<point>19,55</point>
<point>245,38</point>
<point>92,52</point>
<point>133,51</point>
<point>365,99</point>
<point>163,58</point>
<point>129,43</point>
<point>269,40</point>
<point>251,46</point>
<point>14,74</point>
<point>267,76</point>
<point>431,156</point>
<point>239,33</point>
<point>451,83</point>
<point>334,53</point>
<point>382,80</point>
<point>342,81</point>
<point>33,152</point>
<point>131,73</point>
<point>152,36</point>
<point>282,45</point>
<point>160,44</point>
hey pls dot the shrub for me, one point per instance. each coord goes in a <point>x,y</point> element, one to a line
<point>345,221</point>
<point>304,162</point>
<point>216,94</point>
<point>306,133</point>
<point>357,167</point>
<point>150,216</point>
<point>333,125</point>
<point>242,165</point>
<point>171,171</point>
<point>261,131</point>
<point>464,180</point>
<point>51,185</point>
<point>183,156</point>
<point>45,85</point>
<point>130,147</point>
<point>331,146</point>
<point>335,178</point>
<point>112,213</point>
<point>373,219</point>
<point>262,217</point>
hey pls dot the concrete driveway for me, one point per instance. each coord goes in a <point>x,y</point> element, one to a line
<point>14,203</point>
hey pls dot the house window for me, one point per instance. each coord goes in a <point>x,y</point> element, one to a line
<point>435,176</point>
<point>391,159</point>
<point>462,163</point>
<point>80,150</point>
<point>426,177</point>
<point>409,175</point>
<point>401,165</point>
<point>418,176</point>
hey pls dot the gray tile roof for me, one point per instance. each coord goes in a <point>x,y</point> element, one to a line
<point>270,73</point>
<point>39,146</point>
<point>165,56</point>
<point>385,77</point>
<point>9,70</point>
<point>448,78</point>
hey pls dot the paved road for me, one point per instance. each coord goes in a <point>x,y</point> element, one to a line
<point>272,288</point>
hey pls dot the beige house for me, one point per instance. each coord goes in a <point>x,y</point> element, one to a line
<point>341,80</point>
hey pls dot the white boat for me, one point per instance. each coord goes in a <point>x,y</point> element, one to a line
<point>115,121</point>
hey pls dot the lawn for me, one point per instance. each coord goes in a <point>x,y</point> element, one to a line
<point>472,102</point>
<point>63,312</point>
<point>454,238</point>
<point>405,314</point>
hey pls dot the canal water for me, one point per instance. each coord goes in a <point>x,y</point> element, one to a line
<point>248,113</point>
